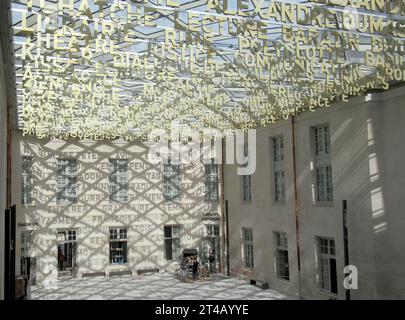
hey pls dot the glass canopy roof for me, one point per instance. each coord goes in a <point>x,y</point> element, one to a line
<point>104,69</point>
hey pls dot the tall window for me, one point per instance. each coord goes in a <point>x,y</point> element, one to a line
<point>327,264</point>
<point>278,169</point>
<point>26,180</point>
<point>323,166</point>
<point>211,181</point>
<point>247,237</point>
<point>282,267</point>
<point>118,180</point>
<point>172,242</point>
<point>213,234</point>
<point>171,181</point>
<point>26,243</point>
<point>66,179</point>
<point>246,179</point>
<point>118,245</point>
<point>25,251</point>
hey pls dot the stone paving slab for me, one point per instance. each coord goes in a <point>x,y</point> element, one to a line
<point>165,286</point>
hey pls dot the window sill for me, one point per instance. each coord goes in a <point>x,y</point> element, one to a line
<point>323,204</point>
<point>65,203</point>
<point>279,203</point>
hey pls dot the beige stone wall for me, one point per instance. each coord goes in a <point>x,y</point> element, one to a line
<point>144,215</point>
<point>367,157</point>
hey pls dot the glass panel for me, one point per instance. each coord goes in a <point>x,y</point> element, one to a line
<point>329,190</point>
<point>168,249</point>
<point>168,231</point>
<point>171,181</point>
<point>211,181</point>
<point>278,149</point>
<point>118,252</point>
<point>123,233</point>
<point>175,231</point>
<point>325,280</point>
<point>247,194</point>
<point>66,179</point>
<point>118,180</point>
<point>326,140</point>
<point>283,265</point>
<point>332,247</point>
<point>72,235</point>
<point>113,234</point>
<point>176,248</point>
<point>323,245</point>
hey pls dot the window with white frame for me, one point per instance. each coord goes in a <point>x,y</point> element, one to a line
<point>246,179</point>
<point>118,245</point>
<point>67,235</point>
<point>211,181</point>
<point>278,169</point>
<point>172,242</point>
<point>26,180</point>
<point>171,180</point>
<point>247,238</point>
<point>212,230</point>
<point>66,180</point>
<point>118,180</point>
<point>282,264</point>
<point>327,264</point>
<point>323,166</point>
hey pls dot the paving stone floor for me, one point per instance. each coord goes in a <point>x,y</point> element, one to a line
<point>165,286</point>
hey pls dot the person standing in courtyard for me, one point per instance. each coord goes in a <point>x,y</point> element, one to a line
<point>195,268</point>
<point>211,260</point>
<point>183,269</point>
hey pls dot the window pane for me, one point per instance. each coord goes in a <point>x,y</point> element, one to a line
<point>66,179</point>
<point>325,283</point>
<point>118,180</point>
<point>123,233</point>
<point>211,181</point>
<point>118,252</point>
<point>278,149</point>
<point>247,194</point>
<point>175,231</point>
<point>113,234</point>
<point>176,248</point>
<point>171,181</point>
<point>168,249</point>
<point>168,231</point>
<point>283,265</point>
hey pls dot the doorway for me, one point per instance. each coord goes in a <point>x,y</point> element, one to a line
<point>66,256</point>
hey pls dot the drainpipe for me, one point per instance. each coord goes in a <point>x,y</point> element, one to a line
<point>345,241</point>
<point>296,206</point>
<point>222,264</point>
<point>228,268</point>
<point>8,179</point>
